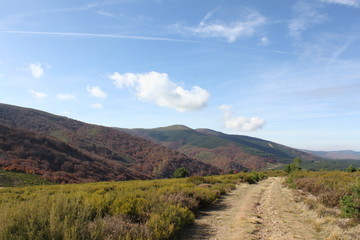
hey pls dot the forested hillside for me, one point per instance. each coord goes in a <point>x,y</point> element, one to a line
<point>110,148</point>
<point>228,152</point>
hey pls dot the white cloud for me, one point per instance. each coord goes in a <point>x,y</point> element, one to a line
<point>351,3</point>
<point>105,13</point>
<point>124,80</point>
<point>38,95</point>
<point>66,97</point>
<point>231,31</point>
<point>96,105</point>
<point>96,92</point>
<point>36,70</point>
<point>240,123</point>
<point>264,41</point>
<point>158,88</point>
<point>306,16</point>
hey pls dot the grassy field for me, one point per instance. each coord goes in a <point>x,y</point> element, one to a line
<point>155,209</point>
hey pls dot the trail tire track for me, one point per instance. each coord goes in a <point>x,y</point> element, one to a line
<point>266,210</point>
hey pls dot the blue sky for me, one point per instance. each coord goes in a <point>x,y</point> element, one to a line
<point>285,71</point>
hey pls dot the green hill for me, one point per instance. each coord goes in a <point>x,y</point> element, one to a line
<point>228,152</point>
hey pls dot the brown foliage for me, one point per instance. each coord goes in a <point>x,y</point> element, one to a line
<point>56,161</point>
<point>229,157</point>
<point>84,152</point>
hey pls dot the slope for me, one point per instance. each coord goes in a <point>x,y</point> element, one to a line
<point>32,153</point>
<point>228,152</point>
<point>131,152</point>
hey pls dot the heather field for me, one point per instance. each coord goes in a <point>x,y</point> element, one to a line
<point>151,209</point>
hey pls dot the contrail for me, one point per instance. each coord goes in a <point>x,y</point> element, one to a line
<point>98,35</point>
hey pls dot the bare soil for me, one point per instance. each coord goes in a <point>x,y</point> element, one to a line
<point>267,210</point>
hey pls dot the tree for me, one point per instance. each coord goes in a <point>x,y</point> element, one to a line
<point>350,169</point>
<point>181,173</point>
<point>297,163</point>
<point>295,166</point>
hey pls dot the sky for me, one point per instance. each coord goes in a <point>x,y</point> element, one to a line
<point>280,70</point>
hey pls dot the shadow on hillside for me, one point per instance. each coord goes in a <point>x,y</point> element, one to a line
<point>203,229</point>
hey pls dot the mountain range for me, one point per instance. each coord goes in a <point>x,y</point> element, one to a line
<point>227,152</point>
<point>343,154</point>
<point>68,150</point>
<point>61,149</point>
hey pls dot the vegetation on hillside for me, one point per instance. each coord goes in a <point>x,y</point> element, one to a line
<point>227,152</point>
<point>14,179</point>
<point>332,188</point>
<point>131,157</point>
<point>330,164</point>
<point>154,209</point>
<point>56,161</point>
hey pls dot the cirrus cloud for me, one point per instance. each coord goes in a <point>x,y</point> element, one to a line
<point>306,15</point>
<point>241,123</point>
<point>158,88</point>
<point>351,3</point>
<point>244,27</point>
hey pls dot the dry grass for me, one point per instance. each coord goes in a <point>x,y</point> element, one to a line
<point>317,224</point>
<point>337,234</point>
<point>322,194</point>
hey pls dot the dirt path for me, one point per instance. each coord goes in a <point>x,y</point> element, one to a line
<point>261,211</point>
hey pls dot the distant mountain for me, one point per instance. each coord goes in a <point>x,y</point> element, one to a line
<point>344,154</point>
<point>135,157</point>
<point>228,152</point>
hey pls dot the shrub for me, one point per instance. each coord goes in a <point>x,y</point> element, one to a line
<point>332,188</point>
<point>154,209</point>
<point>350,169</point>
<point>252,177</point>
<point>350,203</point>
<point>164,225</point>
<point>295,166</point>
<point>197,180</point>
<point>181,173</point>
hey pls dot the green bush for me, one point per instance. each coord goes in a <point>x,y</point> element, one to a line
<point>181,173</point>
<point>350,203</point>
<point>252,177</point>
<point>295,166</point>
<point>350,169</point>
<point>164,225</point>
